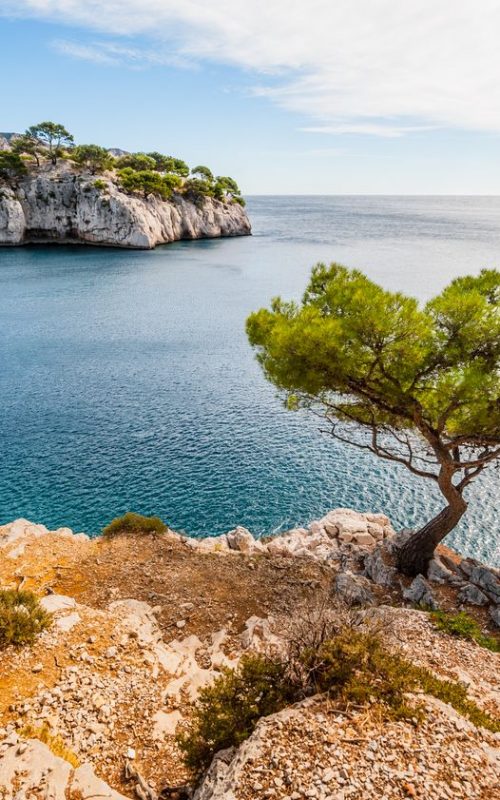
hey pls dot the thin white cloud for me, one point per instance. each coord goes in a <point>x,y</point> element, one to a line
<point>114,54</point>
<point>370,128</point>
<point>85,52</point>
<point>382,67</point>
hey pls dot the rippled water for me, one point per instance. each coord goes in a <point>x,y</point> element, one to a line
<point>127,381</point>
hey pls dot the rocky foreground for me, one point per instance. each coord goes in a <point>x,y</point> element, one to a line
<point>62,205</point>
<point>142,622</point>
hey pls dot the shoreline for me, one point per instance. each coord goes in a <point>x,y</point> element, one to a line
<point>143,621</point>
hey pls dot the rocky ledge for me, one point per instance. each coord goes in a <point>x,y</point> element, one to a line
<point>63,206</point>
<point>142,622</point>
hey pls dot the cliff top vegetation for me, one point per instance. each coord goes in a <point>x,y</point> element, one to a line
<point>144,174</point>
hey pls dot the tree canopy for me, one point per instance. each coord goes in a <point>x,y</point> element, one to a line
<point>29,145</point>
<point>137,161</point>
<point>93,157</point>
<point>11,165</point>
<point>204,173</point>
<point>419,386</point>
<point>148,182</point>
<point>145,173</point>
<point>53,136</point>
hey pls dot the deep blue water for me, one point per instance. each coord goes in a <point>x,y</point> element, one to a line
<point>127,382</point>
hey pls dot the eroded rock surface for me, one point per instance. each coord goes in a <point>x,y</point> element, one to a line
<point>62,206</point>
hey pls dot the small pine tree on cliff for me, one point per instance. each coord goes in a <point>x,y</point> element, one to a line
<point>53,136</point>
<point>416,386</point>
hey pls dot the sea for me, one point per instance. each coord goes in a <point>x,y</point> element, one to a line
<point>127,382</point>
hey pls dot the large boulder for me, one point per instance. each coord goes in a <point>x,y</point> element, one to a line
<point>420,593</point>
<point>488,579</point>
<point>353,589</point>
<point>377,568</point>
<point>242,540</point>
<point>495,615</point>
<point>472,595</point>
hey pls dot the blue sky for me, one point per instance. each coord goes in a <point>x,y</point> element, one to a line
<point>357,96</point>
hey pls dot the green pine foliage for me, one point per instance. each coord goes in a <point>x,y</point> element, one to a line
<point>93,157</point>
<point>11,165</point>
<point>416,385</point>
<point>146,174</point>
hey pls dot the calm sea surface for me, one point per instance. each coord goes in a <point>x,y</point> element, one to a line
<point>127,382</point>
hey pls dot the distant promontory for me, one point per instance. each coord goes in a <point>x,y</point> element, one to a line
<point>52,191</point>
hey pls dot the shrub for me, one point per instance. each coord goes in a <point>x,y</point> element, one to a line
<point>100,185</point>
<point>136,161</point>
<point>11,165</point>
<point>352,668</point>
<point>134,523</point>
<point>464,626</point>
<point>92,157</point>
<point>196,190</point>
<point>21,618</point>
<point>228,711</point>
<point>147,182</point>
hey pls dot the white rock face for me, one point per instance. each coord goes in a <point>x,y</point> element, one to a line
<point>59,205</point>
<point>322,541</point>
<point>14,536</point>
<point>29,769</point>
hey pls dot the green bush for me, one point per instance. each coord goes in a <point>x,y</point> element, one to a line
<point>148,182</point>
<point>92,157</point>
<point>21,618</point>
<point>464,626</point>
<point>228,710</point>
<point>352,668</point>
<point>11,165</point>
<point>134,523</point>
<point>136,162</point>
<point>100,185</point>
<point>355,667</point>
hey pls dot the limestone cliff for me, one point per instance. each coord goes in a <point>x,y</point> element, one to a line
<point>61,205</point>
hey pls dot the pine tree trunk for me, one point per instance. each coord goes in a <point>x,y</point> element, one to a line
<point>418,550</point>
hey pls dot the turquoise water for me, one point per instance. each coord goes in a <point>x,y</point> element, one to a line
<point>127,381</point>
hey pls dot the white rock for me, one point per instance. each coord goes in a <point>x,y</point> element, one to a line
<point>364,539</point>
<point>23,774</point>
<point>64,207</point>
<point>242,540</point>
<point>57,602</point>
<point>68,622</point>
<point>165,723</point>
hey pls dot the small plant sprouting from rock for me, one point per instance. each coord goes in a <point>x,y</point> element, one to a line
<point>100,185</point>
<point>22,618</point>
<point>464,626</point>
<point>134,523</point>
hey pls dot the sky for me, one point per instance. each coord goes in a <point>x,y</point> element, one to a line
<point>287,96</point>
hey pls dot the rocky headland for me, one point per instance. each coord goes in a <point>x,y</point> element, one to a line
<point>63,205</point>
<point>140,623</point>
<point>53,191</point>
